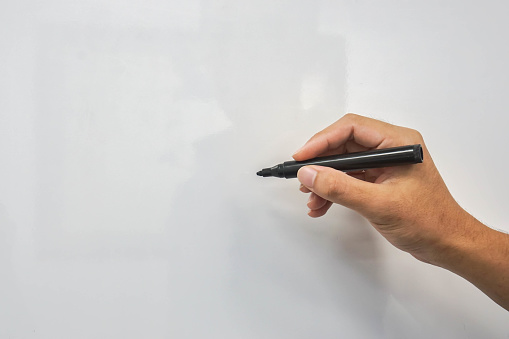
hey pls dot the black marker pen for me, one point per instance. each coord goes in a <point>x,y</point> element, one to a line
<point>387,157</point>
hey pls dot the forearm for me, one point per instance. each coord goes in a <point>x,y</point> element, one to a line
<point>480,255</point>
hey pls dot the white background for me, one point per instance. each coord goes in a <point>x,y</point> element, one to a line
<point>131,131</point>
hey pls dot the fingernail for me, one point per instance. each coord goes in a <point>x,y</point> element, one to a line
<point>306,176</point>
<point>311,198</point>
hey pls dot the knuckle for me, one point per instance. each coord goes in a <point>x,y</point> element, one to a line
<point>416,135</point>
<point>351,116</point>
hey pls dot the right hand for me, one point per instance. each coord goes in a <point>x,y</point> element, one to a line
<point>409,205</point>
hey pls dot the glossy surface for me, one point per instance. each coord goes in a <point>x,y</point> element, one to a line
<point>109,108</point>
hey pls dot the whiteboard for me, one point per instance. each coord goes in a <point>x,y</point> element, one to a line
<point>131,132</point>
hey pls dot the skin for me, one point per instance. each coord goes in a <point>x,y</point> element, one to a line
<point>409,205</point>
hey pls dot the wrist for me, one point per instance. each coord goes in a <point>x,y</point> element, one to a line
<point>480,255</point>
<point>463,239</point>
<point>467,247</point>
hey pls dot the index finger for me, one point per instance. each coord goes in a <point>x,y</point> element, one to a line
<point>366,132</point>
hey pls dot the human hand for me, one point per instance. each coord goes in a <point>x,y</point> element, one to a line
<point>409,205</point>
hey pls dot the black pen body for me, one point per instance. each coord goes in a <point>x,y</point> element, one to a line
<point>395,156</point>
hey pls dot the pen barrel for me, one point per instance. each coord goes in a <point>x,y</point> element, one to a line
<point>387,157</point>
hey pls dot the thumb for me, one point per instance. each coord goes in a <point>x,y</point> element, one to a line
<point>339,187</point>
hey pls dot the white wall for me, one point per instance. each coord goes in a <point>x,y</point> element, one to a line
<point>131,131</point>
